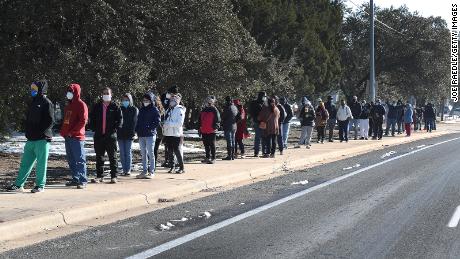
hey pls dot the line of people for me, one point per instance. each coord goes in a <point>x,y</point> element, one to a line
<point>161,120</point>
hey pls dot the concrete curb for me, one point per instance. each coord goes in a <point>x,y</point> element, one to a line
<point>74,215</point>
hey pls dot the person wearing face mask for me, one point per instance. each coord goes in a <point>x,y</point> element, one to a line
<point>307,118</point>
<point>229,120</point>
<point>208,125</point>
<point>392,118</point>
<point>125,134</point>
<point>255,108</point>
<point>286,124</point>
<point>332,110</point>
<point>39,123</point>
<point>343,117</point>
<point>241,129</point>
<point>73,132</point>
<point>146,128</point>
<point>356,110</point>
<point>105,120</point>
<point>378,114</point>
<point>270,115</point>
<point>408,120</point>
<point>322,115</point>
<point>173,131</point>
<point>364,121</point>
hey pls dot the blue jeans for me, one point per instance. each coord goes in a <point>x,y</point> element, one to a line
<point>391,124</point>
<point>126,156</point>
<point>285,127</point>
<point>355,123</point>
<point>230,138</point>
<point>147,145</point>
<point>76,157</point>
<point>257,138</point>
<point>429,124</point>
<point>343,130</point>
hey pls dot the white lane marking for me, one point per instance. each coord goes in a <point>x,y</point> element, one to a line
<point>199,233</point>
<point>455,218</point>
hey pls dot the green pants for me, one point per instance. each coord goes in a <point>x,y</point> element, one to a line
<point>37,150</point>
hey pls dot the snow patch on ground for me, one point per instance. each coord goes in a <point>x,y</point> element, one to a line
<point>304,182</point>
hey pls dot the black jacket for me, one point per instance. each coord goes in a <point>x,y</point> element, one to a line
<point>331,109</point>
<point>377,112</point>
<point>40,116</point>
<point>254,109</point>
<point>307,118</point>
<point>356,109</point>
<point>282,113</point>
<point>365,112</point>
<point>392,111</point>
<point>114,120</point>
<point>429,112</point>
<point>289,113</point>
<point>229,117</point>
<point>128,129</point>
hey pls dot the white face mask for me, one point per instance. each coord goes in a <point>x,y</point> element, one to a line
<point>146,104</point>
<point>106,97</point>
<point>69,95</point>
<point>168,95</point>
<point>172,103</point>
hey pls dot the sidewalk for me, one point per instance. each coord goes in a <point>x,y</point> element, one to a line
<point>26,213</point>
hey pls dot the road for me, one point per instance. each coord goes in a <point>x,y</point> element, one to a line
<point>385,206</point>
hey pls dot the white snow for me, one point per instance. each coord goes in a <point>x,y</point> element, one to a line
<point>388,154</point>
<point>304,182</point>
<point>15,145</point>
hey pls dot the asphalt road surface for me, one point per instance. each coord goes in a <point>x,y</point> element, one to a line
<point>400,202</point>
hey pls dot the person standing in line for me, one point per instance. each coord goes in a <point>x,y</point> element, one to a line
<point>39,123</point>
<point>255,108</point>
<point>378,113</point>
<point>408,119</point>
<point>270,116</point>
<point>229,120</point>
<point>173,131</point>
<point>146,129</point>
<point>105,120</point>
<point>364,120</point>
<point>165,97</point>
<point>430,116</point>
<point>392,118</point>
<point>241,129</point>
<point>332,110</point>
<point>307,123</point>
<point>322,116</point>
<point>159,139</point>
<point>286,124</point>
<point>73,132</point>
<point>208,125</point>
<point>280,121</point>
<point>400,117</point>
<point>127,132</point>
<point>371,119</point>
<point>343,117</point>
<point>356,109</point>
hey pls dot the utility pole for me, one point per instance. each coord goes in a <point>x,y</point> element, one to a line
<point>372,55</point>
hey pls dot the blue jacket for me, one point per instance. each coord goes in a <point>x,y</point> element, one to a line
<point>147,121</point>
<point>408,114</point>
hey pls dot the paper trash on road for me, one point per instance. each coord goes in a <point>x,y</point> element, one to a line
<point>169,224</point>
<point>205,214</point>
<point>179,220</point>
<point>389,154</point>
<point>163,227</point>
<point>300,183</point>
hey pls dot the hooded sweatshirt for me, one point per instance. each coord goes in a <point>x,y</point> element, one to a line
<point>40,115</point>
<point>130,113</point>
<point>174,121</point>
<point>75,115</point>
<point>148,119</point>
<point>408,114</point>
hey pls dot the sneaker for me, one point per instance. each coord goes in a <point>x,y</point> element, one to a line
<point>212,161</point>
<point>272,155</point>
<point>331,140</point>
<point>281,152</point>
<point>205,161</point>
<point>71,183</point>
<point>227,158</point>
<point>266,156</point>
<point>149,176</point>
<point>298,146</point>
<point>242,156</point>
<point>37,189</point>
<point>141,176</point>
<point>113,180</point>
<point>127,173</point>
<point>308,147</point>
<point>180,171</point>
<point>81,186</point>
<point>97,180</point>
<point>14,188</point>
<point>171,171</point>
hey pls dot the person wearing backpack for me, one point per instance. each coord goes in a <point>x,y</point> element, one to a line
<point>229,120</point>
<point>208,125</point>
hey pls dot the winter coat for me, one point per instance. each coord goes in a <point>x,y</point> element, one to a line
<point>113,119</point>
<point>130,115</point>
<point>282,113</point>
<point>365,112</point>
<point>408,114</point>
<point>40,115</point>
<point>75,115</point>
<point>307,116</point>
<point>241,127</point>
<point>174,121</point>
<point>377,112</point>
<point>344,113</point>
<point>356,109</point>
<point>400,112</point>
<point>392,111</point>
<point>322,115</point>
<point>289,113</point>
<point>271,118</point>
<point>209,120</point>
<point>255,107</point>
<point>148,120</point>
<point>429,112</point>
<point>331,109</point>
<point>229,117</point>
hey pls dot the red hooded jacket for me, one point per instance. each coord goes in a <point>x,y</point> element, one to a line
<point>75,116</point>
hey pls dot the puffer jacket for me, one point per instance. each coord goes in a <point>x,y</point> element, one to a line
<point>174,121</point>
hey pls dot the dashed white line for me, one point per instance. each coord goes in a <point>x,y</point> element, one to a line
<point>453,223</point>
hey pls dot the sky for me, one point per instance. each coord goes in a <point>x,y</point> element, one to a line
<point>424,7</point>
